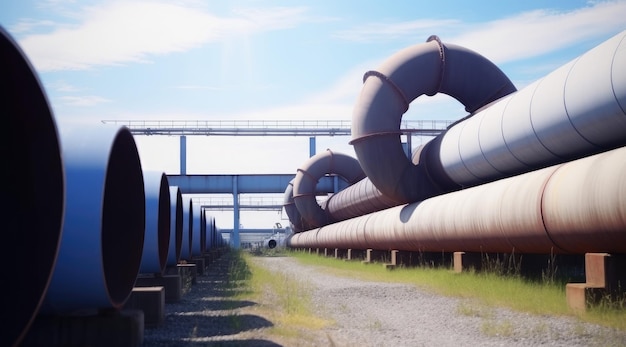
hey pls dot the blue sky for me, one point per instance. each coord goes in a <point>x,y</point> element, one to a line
<point>272,60</point>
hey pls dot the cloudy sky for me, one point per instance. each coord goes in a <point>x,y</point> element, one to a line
<point>272,60</point>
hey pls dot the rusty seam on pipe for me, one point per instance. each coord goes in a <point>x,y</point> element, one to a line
<point>541,209</point>
<point>307,174</point>
<point>382,133</point>
<point>442,57</point>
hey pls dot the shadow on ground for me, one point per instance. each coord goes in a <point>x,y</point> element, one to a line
<point>208,314</point>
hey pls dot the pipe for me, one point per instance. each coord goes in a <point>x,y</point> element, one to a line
<point>427,68</point>
<point>176,226</point>
<point>103,233</point>
<point>575,111</point>
<point>571,208</point>
<point>357,199</point>
<point>211,241</point>
<point>185,253</point>
<point>157,233</point>
<point>298,223</point>
<point>33,170</point>
<point>198,242</point>
<point>308,175</point>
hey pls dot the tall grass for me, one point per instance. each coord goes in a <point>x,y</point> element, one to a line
<point>489,288</point>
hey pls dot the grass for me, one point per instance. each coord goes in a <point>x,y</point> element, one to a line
<point>286,301</point>
<point>490,289</point>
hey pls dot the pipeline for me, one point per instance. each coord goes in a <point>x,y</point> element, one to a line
<point>357,199</point>
<point>176,226</point>
<point>104,224</point>
<point>327,162</point>
<point>575,111</point>
<point>428,68</point>
<point>298,223</point>
<point>33,169</point>
<point>157,233</point>
<point>185,253</point>
<point>569,208</point>
<point>197,239</point>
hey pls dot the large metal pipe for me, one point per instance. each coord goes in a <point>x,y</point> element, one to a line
<point>308,175</point>
<point>103,232</point>
<point>575,111</point>
<point>157,234</point>
<point>185,252</point>
<point>33,170</point>
<point>211,232</point>
<point>298,223</point>
<point>176,226</point>
<point>569,208</point>
<point>197,240</point>
<point>427,68</point>
<point>357,199</point>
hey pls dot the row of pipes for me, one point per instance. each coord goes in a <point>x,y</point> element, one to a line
<point>538,170</point>
<point>83,219</point>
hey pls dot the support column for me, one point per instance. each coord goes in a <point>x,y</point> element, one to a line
<point>235,242</point>
<point>311,146</point>
<point>183,155</point>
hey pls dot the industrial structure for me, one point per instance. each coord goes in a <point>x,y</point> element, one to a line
<point>535,171</point>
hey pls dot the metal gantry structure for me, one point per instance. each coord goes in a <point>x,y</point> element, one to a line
<point>234,184</point>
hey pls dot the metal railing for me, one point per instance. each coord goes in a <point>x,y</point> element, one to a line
<point>267,127</point>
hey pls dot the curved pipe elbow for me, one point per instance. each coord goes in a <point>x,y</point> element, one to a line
<point>308,175</point>
<point>385,97</point>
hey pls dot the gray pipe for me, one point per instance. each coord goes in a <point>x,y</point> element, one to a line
<point>428,68</point>
<point>176,226</point>
<point>157,234</point>
<point>186,249</point>
<point>571,208</point>
<point>575,111</point>
<point>307,177</point>
<point>298,223</point>
<point>32,171</point>
<point>198,243</point>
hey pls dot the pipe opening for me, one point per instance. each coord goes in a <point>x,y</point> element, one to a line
<point>123,222</point>
<point>33,170</point>
<point>164,221</point>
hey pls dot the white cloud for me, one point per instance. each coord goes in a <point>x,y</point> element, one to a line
<point>390,31</point>
<point>120,32</point>
<point>517,37</point>
<point>62,86</point>
<point>82,101</point>
<point>542,31</point>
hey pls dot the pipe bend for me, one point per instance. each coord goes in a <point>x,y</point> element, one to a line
<point>305,182</point>
<point>428,68</point>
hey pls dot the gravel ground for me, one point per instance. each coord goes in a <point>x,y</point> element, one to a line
<point>364,314</point>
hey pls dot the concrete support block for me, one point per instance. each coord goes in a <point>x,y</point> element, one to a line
<point>150,300</point>
<point>465,261</point>
<point>393,262</point>
<point>200,265</point>
<point>340,253</point>
<point>605,279</point>
<point>172,285</point>
<point>372,255</point>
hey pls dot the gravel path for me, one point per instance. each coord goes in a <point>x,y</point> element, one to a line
<point>365,314</point>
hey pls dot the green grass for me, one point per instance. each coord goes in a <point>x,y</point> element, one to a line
<point>286,302</point>
<point>487,288</point>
